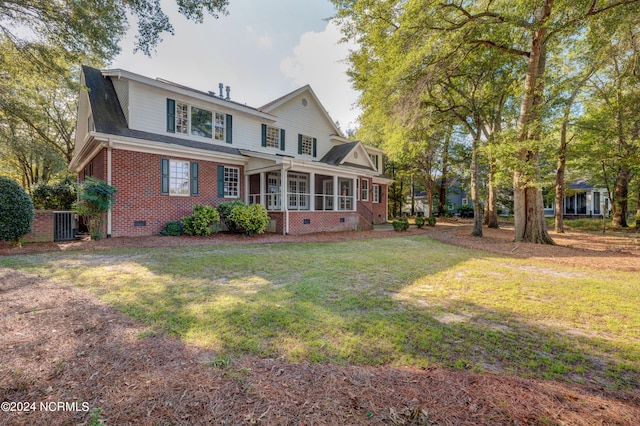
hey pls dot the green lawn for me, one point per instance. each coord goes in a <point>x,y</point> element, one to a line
<point>401,301</point>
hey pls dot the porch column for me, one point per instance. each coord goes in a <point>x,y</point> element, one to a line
<point>284,201</point>
<point>247,189</point>
<point>312,191</point>
<point>356,191</point>
<point>263,189</point>
<point>335,193</point>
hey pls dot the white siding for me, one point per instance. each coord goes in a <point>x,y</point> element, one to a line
<point>122,90</point>
<point>148,112</point>
<point>295,118</point>
<point>82,123</point>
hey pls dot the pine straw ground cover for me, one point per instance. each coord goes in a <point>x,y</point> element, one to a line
<point>58,343</point>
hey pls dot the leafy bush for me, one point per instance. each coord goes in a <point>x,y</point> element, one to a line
<point>251,219</point>
<point>16,210</point>
<point>466,211</point>
<point>173,228</point>
<point>224,209</point>
<point>420,221</point>
<point>95,197</point>
<point>431,221</point>
<point>59,196</point>
<point>400,224</point>
<point>203,221</point>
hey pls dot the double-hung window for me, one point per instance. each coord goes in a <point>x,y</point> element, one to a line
<point>231,182</point>
<point>273,137</point>
<point>376,193</point>
<point>364,185</point>
<point>179,177</point>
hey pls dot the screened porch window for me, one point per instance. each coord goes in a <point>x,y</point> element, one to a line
<point>345,195</point>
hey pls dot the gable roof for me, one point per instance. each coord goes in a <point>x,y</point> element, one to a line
<point>108,117</point>
<point>267,108</point>
<point>340,154</point>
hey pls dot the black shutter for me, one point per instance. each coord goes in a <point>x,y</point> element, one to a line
<point>229,129</point>
<point>164,173</point>
<point>315,142</point>
<point>299,143</point>
<point>264,135</point>
<point>220,181</point>
<point>171,115</point>
<point>195,189</point>
<point>281,139</point>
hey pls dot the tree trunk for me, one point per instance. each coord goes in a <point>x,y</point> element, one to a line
<point>528,205</point>
<point>475,171</point>
<point>638,212</point>
<point>491,219</point>
<point>559,201</point>
<point>442,192</point>
<point>620,198</point>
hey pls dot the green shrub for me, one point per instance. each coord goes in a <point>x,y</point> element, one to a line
<point>431,221</point>
<point>400,224</point>
<point>203,222</point>
<point>420,221</point>
<point>224,209</point>
<point>173,228</point>
<point>59,196</point>
<point>16,210</point>
<point>95,197</point>
<point>251,219</point>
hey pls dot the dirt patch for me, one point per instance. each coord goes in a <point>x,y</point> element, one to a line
<point>61,345</point>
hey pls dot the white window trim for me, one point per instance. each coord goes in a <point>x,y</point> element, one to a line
<point>171,187</point>
<point>364,191</point>
<point>309,141</point>
<point>270,138</point>
<point>226,183</point>
<point>213,122</point>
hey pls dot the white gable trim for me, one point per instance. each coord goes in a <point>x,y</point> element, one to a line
<point>290,96</point>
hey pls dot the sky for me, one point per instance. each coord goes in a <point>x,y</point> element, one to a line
<point>262,49</point>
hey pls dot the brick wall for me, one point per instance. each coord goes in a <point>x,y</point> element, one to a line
<point>140,208</point>
<point>379,209</point>
<point>41,228</point>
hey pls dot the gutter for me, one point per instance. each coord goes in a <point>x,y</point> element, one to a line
<point>109,177</point>
<point>285,200</point>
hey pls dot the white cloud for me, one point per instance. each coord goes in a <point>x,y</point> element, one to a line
<point>319,60</point>
<point>265,42</point>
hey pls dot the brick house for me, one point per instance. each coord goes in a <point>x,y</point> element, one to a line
<point>167,147</point>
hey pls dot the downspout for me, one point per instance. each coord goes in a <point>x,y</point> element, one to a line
<point>109,147</point>
<point>285,200</point>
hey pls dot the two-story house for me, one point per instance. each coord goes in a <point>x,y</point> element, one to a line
<point>167,147</point>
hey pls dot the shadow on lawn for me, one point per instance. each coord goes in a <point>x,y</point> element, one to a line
<point>341,306</point>
<point>339,303</point>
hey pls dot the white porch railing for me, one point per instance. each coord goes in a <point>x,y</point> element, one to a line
<point>298,201</point>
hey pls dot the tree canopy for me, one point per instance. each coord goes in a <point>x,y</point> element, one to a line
<point>497,68</point>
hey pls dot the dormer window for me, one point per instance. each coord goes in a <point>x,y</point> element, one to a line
<point>187,119</point>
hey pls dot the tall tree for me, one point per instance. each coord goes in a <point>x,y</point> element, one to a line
<point>526,29</point>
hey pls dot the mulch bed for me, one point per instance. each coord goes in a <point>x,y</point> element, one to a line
<point>60,344</point>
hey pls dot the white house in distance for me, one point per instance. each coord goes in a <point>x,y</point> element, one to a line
<point>582,200</point>
<point>167,147</point>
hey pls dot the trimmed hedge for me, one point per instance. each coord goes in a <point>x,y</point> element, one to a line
<point>16,210</point>
<point>203,222</point>
<point>251,219</point>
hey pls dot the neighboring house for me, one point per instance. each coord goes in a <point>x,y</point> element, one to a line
<point>456,197</point>
<point>582,199</point>
<point>167,147</point>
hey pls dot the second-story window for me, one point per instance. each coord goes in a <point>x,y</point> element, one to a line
<point>201,122</point>
<point>182,118</point>
<point>191,120</point>
<point>273,137</point>
<point>306,144</point>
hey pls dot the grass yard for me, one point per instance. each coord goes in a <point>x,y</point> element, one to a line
<point>407,301</point>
